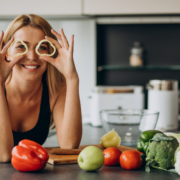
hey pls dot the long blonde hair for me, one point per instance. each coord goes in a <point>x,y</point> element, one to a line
<point>53,76</point>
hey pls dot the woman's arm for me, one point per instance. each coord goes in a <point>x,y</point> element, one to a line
<point>6,136</point>
<point>67,116</point>
<point>67,110</point>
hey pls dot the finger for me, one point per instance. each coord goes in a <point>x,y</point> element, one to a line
<point>71,47</point>
<point>1,40</point>
<point>4,50</point>
<point>64,39</point>
<point>56,43</point>
<point>15,60</point>
<point>48,59</point>
<point>58,36</point>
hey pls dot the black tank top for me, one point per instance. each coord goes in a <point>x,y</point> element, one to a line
<point>40,132</point>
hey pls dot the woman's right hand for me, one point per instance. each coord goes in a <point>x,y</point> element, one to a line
<point>6,66</point>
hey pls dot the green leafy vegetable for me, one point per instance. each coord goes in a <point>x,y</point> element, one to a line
<point>160,152</point>
<point>177,136</point>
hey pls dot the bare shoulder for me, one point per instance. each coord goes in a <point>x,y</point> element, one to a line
<point>60,94</point>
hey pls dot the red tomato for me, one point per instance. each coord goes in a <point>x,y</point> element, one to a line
<point>111,156</point>
<point>130,160</point>
<point>139,152</point>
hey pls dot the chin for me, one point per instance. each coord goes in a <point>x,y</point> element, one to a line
<point>32,78</point>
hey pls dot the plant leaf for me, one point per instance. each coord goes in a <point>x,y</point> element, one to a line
<point>161,137</point>
<point>149,164</point>
<point>169,170</point>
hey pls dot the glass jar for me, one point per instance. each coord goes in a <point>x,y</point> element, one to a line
<point>136,58</point>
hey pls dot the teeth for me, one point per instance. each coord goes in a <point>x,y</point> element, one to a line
<point>31,67</point>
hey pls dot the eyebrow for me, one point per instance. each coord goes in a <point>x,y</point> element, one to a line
<point>44,43</point>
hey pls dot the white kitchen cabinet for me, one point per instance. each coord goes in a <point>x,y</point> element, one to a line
<point>123,7</point>
<point>40,7</point>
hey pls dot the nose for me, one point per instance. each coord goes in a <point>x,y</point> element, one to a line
<point>31,55</point>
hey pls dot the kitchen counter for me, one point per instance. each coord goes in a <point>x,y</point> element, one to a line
<point>73,172</point>
<point>91,135</point>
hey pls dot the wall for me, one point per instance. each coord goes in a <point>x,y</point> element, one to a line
<point>84,51</point>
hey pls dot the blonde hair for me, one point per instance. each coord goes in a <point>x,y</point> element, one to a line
<point>53,76</point>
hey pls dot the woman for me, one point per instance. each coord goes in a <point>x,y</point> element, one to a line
<point>34,88</point>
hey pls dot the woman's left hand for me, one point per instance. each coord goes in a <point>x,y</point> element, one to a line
<point>64,61</point>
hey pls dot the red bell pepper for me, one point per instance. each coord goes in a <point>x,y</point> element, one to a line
<point>29,156</point>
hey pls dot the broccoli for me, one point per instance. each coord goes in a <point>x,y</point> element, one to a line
<point>177,136</point>
<point>160,153</point>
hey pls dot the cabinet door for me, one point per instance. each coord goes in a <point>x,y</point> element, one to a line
<point>115,7</point>
<point>40,7</point>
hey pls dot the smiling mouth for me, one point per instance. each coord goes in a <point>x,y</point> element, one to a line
<point>31,67</point>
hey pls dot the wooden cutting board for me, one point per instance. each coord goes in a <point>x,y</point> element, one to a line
<point>72,159</point>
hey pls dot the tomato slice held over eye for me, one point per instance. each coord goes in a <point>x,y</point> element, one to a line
<point>111,156</point>
<point>130,160</point>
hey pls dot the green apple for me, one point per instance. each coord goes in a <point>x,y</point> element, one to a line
<point>91,158</point>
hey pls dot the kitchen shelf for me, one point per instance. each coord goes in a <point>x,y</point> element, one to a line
<point>121,67</point>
